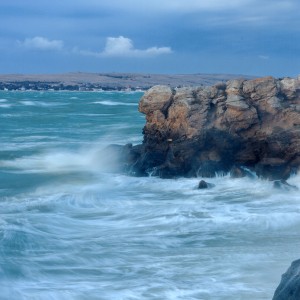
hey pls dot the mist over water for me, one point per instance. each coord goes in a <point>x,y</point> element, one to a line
<point>72,229</point>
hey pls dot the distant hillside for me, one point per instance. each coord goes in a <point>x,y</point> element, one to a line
<point>107,81</point>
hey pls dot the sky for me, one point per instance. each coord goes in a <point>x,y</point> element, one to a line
<point>250,37</point>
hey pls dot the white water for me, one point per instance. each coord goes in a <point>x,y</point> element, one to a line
<point>71,229</point>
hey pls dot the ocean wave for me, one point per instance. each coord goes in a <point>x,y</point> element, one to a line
<point>40,103</point>
<point>71,228</point>
<point>84,160</point>
<point>113,103</point>
<point>91,115</point>
<point>5,105</point>
<point>142,234</point>
<point>10,115</point>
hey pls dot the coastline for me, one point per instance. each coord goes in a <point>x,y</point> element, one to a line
<point>80,81</point>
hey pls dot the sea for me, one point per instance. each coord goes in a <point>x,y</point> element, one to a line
<point>71,228</point>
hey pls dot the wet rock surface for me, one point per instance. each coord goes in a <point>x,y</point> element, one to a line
<point>205,185</point>
<point>206,131</point>
<point>289,287</point>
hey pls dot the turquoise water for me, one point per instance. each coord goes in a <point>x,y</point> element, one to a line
<point>71,229</point>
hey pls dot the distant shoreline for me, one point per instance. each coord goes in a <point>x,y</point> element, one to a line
<point>80,81</point>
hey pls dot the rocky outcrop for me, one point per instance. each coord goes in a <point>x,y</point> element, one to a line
<point>289,287</point>
<point>208,130</point>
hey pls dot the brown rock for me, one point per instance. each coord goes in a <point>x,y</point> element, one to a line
<point>253,123</point>
<point>156,98</point>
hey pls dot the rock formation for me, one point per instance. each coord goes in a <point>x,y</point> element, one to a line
<point>289,287</point>
<point>208,130</point>
<point>205,185</point>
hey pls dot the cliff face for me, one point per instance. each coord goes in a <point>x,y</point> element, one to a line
<point>252,123</point>
<point>204,130</point>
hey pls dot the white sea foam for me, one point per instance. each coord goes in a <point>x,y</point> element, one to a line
<point>73,229</point>
<point>3,100</point>
<point>41,103</point>
<point>92,115</point>
<point>84,160</point>
<point>295,180</point>
<point>113,103</point>
<point>140,235</point>
<point>28,103</point>
<point>5,105</point>
<point>9,115</point>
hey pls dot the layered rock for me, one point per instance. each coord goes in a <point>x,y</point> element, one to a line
<point>205,130</point>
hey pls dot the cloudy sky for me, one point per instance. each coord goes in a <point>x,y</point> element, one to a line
<point>253,37</point>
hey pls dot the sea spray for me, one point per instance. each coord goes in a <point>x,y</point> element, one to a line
<point>72,229</point>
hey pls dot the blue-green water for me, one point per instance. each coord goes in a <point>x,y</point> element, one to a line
<point>70,229</point>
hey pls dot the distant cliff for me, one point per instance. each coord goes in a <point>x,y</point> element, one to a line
<point>203,131</point>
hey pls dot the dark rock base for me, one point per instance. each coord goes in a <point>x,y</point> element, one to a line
<point>289,287</point>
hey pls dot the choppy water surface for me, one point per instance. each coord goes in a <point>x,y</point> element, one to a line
<point>71,230</point>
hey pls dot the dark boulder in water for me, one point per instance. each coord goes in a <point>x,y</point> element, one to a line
<point>289,287</point>
<point>205,185</point>
<point>206,131</point>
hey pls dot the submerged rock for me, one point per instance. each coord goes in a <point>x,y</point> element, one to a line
<point>205,185</point>
<point>250,123</point>
<point>289,287</point>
